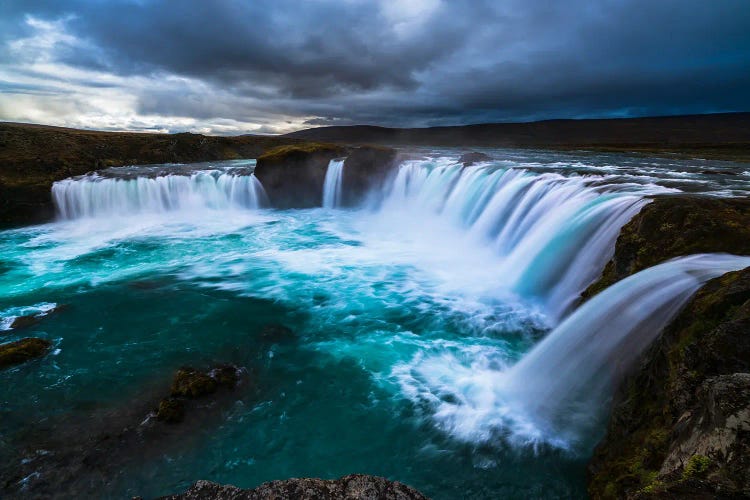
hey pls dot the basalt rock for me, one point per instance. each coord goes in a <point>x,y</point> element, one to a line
<point>680,426</point>
<point>20,351</point>
<point>293,176</point>
<point>366,168</point>
<point>673,226</point>
<point>352,487</point>
<point>189,384</point>
<point>473,157</point>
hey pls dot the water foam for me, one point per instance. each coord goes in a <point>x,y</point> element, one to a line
<point>557,393</point>
<point>93,195</point>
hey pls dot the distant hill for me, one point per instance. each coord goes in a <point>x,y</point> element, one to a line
<point>720,135</point>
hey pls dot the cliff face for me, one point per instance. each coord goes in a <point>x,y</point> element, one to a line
<point>672,226</point>
<point>680,425</point>
<point>32,157</point>
<point>293,176</point>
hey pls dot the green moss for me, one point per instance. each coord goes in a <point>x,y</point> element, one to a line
<point>696,467</point>
<point>171,410</point>
<point>191,383</point>
<point>20,351</point>
<point>281,153</point>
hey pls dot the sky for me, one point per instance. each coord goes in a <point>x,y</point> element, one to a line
<point>274,66</point>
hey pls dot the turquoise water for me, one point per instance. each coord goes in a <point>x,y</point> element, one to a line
<point>393,306</point>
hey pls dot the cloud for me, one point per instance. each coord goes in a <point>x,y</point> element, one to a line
<point>272,66</point>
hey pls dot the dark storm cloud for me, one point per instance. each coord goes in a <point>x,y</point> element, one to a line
<point>412,63</point>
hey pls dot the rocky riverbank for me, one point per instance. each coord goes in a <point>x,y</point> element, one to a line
<point>679,425</point>
<point>352,487</point>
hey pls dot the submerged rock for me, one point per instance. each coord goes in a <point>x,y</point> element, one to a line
<point>190,383</point>
<point>81,455</point>
<point>20,351</point>
<point>293,176</point>
<point>473,157</point>
<point>352,487</point>
<point>681,422</point>
<point>276,333</point>
<point>30,320</point>
<point>171,410</point>
<point>25,321</point>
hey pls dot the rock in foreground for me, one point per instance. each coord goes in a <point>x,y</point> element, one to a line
<point>353,487</point>
<point>20,351</point>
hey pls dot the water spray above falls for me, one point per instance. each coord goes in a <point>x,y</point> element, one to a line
<point>332,184</point>
<point>92,196</point>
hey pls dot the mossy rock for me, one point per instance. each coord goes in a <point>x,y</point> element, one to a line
<point>20,351</point>
<point>299,151</point>
<point>191,383</point>
<point>25,321</point>
<point>225,375</point>
<point>673,424</point>
<point>672,226</point>
<point>171,410</point>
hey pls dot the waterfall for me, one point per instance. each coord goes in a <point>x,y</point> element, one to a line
<point>332,184</point>
<point>92,195</point>
<point>558,392</point>
<point>563,383</point>
<point>553,234</point>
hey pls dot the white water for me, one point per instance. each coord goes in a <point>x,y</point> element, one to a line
<point>480,242</point>
<point>558,392</point>
<point>552,234</point>
<point>332,184</point>
<point>93,195</point>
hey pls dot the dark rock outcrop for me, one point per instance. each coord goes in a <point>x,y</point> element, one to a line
<point>27,321</point>
<point>352,487</point>
<point>680,425</point>
<point>672,226</point>
<point>366,168</point>
<point>473,157</point>
<point>189,384</point>
<point>20,351</point>
<point>293,176</point>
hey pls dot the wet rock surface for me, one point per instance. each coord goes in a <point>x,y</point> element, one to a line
<point>77,456</point>
<point>680,426</point>
<point>469,159</point>
<point>353,487</point>
<point>366,168</point>
<point>293,176</point>
<point>21,351</point>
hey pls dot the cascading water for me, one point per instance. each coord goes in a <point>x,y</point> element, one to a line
<point>558,392</point>
<point>93,195</point>
<point>554,234</point>
<point>332,184</point>
<point>416,315</point>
